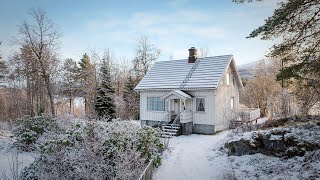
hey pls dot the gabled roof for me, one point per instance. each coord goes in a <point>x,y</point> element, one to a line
<point>179,74</point>
<point>178,93</point>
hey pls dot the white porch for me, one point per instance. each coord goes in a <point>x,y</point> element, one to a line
<point>179,106</point>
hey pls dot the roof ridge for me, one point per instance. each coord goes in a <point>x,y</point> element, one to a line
<point>202,58</point>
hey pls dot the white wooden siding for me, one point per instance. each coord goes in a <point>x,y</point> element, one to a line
<point>150,115</point>
<point>206,117</point>
<point>223,97</point>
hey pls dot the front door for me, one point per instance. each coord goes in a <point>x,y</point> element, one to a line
<point>176,106</point>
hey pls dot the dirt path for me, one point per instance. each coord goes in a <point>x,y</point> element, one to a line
<point>193,157</point>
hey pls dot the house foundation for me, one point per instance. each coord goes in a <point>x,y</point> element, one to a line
<point>203,129</point>
<point>186,128</point>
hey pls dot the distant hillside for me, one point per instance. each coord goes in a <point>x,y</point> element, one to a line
<point>246,70</point>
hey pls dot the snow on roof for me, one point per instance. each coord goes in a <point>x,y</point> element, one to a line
<point>179,93</point>
<point>172,74</point>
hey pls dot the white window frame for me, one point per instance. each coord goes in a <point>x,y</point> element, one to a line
<point>232,102</point>
<point>156,104</point>
<point>228,78</point>
<point>204,104</point>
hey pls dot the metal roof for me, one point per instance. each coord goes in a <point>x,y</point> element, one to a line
<point>179,74</point>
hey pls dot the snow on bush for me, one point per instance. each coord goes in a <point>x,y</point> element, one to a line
<point>95,150</point>
<point>29,129</point>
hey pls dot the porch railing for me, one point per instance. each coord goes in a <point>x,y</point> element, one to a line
<point>177,119</point>
<point>185,117</point>
<point>249,114</point>
<point>164,120</point>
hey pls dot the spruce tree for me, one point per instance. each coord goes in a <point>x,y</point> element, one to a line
<point>104,105</point>
<point>131,98</point>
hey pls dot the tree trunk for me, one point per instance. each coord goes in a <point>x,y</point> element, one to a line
<point>47,81</point>
<point>70,100</point>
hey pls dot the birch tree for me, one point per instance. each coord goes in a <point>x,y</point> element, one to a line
<point>147,53</point>
<point>41,37</point>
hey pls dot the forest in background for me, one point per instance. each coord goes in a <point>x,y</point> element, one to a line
<point>36,81</point>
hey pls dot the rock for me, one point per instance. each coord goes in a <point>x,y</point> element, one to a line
<point>279,142</point>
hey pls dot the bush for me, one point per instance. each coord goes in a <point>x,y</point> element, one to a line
<point>96,150</point>
<point>29,129</point>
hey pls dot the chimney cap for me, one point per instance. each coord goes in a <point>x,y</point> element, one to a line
<point>192,55</point>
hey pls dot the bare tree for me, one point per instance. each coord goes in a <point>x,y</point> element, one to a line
<point>203,52</point>
<point>147,53</point>
<point>0,51</point>
<point>261,88</point>
<point>41,37</point>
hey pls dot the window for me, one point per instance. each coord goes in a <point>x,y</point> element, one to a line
<point>200,104</point>
<point>228,78</point>
<point>233,81</point>
<point>232,102</point>
<point>155,104</point>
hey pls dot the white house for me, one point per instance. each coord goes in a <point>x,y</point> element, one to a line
<point>198,94</point>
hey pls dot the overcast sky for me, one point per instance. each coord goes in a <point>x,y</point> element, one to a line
<point>173,26</point>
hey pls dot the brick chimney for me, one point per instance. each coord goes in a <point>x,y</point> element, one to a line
<point>192,55</point>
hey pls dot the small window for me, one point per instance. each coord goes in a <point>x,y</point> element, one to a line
<point>233,81</point>
<point>200,104</point>
<point>155,104</point>
<point>232,102</point>
<point>228,78</point>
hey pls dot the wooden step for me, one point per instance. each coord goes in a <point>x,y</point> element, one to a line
<point>170,130</point>
<point>173,129</point>
<point>166,136</point>
<point>171,126</point>
<point>170,133</point>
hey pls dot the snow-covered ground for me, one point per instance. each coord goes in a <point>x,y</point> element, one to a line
<point>10,157</point>
<point>194,157</point>
<point>202,157</point>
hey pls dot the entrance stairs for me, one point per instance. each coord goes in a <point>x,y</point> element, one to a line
<point>171,129</point>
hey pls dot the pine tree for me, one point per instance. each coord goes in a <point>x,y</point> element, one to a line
<point>296,24</point>
<point>104,104</point>
<point>70,77</point>
<point>88,86</point>
<point>131,98</point>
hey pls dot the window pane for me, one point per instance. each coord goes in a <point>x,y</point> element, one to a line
<point>155,104</point>
<point>200,104</point>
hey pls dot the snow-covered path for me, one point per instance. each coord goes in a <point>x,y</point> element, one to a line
<point>194,157</point>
